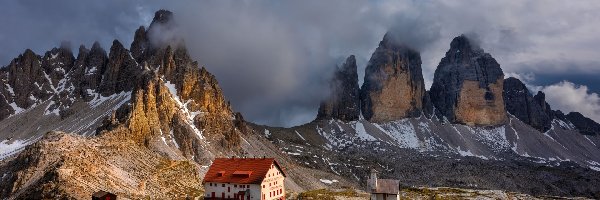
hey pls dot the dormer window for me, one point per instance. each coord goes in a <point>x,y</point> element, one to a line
<point>243,174</point>
<point>220,173</point>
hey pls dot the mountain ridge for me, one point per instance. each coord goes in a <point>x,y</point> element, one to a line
<point>155,99</point>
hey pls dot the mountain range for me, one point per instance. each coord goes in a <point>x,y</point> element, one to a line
<point>147,122</point>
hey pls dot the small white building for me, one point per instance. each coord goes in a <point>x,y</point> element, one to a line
<point>383,189</point>
<point>244,179</point>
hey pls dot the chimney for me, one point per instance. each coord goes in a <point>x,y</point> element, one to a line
<point>373,179</point>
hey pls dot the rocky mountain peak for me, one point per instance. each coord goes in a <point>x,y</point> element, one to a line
<point>583,124</point>
<point>393,85</point>
<point>97,47</point>
<point>58,62</point>
<point>140,44</point>
<point>162,16</point>
<point>163,31</point>
<point>343,102</point>
<point>462,42</point>
<point>468,85</point>
<point>520,103</point>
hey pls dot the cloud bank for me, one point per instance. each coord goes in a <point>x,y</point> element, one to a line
<point>568,97</point>
<point>272,58</point>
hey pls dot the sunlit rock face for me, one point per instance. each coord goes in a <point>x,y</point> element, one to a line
<point>343,102</point>
<point>468,85</point>
<point>172,97</point>
<point>393,86</point>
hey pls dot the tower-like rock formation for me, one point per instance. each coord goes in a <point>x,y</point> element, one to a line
<point>520,103</point>
<point>468,84</point>
<point>393,86</point>
<point>343,102</point>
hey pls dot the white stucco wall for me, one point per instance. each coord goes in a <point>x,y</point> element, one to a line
<point>273,184</point>
<point>218,189</point>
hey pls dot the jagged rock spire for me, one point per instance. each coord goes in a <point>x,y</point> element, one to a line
<point>343,102</point>
<point>468,84</point>
<point>393,85</point>
<point>520,103</point>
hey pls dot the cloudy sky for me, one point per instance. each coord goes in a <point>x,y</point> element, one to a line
<point>272,57</point>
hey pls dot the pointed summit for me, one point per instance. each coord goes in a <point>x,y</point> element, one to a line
<point>162,16</point>
<point>343,102</point>
<point>394,87</point>
<point>139,46</point>
<point>468,84</point>
<point>520,103</point>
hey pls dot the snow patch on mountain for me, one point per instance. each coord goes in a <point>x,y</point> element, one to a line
<point>8,148</point>
<point>183,108</point>
<point>362,133</point>
<point>403,132</point>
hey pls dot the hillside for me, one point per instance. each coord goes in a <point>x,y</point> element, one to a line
<point>148,121</point>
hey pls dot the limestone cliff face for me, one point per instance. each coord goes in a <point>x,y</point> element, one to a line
<point>120,70</point>
<point>343,102</point>
<point>468,84</point>
<point>172,100</point>
<point>520,103</point>
<point>166,95</point>
<point>393,85</point>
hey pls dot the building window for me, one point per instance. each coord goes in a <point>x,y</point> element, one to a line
<point>223,185</point>
<point>263,186</point>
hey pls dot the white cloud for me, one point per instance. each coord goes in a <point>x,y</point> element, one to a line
<point>568,97</point>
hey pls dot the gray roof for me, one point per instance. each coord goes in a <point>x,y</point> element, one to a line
<point>384,186</point>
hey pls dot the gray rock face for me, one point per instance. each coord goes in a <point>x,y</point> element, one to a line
<point>393,86</point>
<point>520,103</point>
<point>140,45</point>
<point>121,69</point>
<point>583,124</point>
<point>343,102</point>
<point>155,90</point>
<point>467,86</point>
<point>24,84</point>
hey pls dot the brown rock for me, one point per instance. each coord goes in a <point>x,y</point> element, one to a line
<point>394,87</point>
<point>474,109</point>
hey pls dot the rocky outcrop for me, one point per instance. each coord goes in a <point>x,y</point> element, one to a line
<point>429,109</point>
<point>120,70</point>
<point>520,103</point>
<point>172,98</point>
<point>169,95</point>
<point>66,166</point>
<point>583,124</point>
<point>343,102</point>
<point>535,111</point>
<point>24,84</point>
<point>468,84</point>
<point>393,85</point>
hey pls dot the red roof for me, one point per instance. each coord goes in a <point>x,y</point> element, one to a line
<point>240,170</point>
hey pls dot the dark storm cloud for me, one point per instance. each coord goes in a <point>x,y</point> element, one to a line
<point>42,25</point>
<point>272,58</point>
